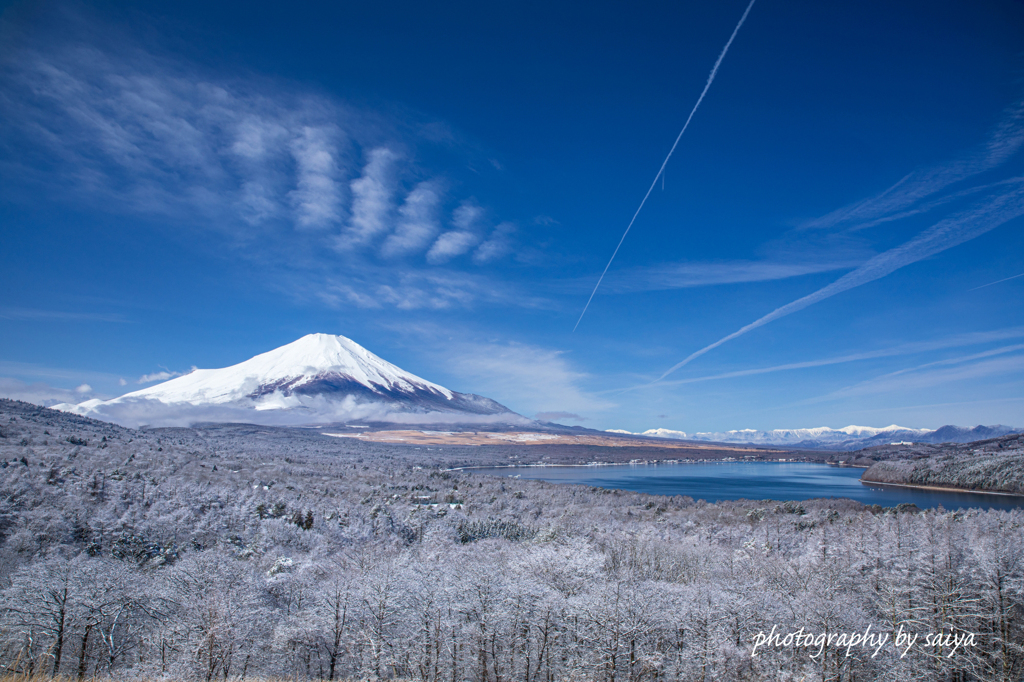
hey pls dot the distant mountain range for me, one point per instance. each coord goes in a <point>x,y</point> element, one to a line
<point>328,379</point>
<point>320,378</point>
<point>847,438</point>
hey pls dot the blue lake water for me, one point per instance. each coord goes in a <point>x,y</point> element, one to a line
<point>751,481</point>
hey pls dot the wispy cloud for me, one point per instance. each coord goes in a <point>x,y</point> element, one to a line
<point>418,222</point>
<point>913,348</point>
<point>101,121</point>
<point>560,416</point>
<point>317,198</point>
<point>435,289</point>
<point>944,235</point>
<point>990,363</point>
<point>895,202</point>
<point>497,244</point>
<point>466,220</point>
<point>36,314</point>
<point>36,393</point>
<point>41,393</point>
<point>32,371</point>
<point>530,379</point>
<point>158,376</point>
<point>701,274</point>
<point>372,200</point>
<point>451,244</point>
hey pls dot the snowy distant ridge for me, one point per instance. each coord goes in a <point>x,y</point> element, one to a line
<point>320,378</point>
<point>784,436</point>
<point>847,438</point>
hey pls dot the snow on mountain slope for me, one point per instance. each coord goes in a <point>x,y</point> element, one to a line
<point>320,378</point>
<point>290,368</point>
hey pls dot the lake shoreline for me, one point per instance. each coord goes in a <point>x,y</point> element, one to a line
<point>795,481</point>
<point>944,489</point>
<point>669,462</point>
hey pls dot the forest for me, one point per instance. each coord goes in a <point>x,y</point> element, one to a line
<point>231,552</point>
<point>995,465</point>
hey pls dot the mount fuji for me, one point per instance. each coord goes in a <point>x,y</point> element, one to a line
<point>320,378</point>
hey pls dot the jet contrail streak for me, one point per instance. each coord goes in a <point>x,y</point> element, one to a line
<point>711,77</point>
<point>941,236</point>
<point>1000,281</point>
<point>905,349</point>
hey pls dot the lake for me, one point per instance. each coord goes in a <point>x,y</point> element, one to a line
<point>714,481</point>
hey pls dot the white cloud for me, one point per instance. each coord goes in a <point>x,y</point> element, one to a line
<point>418,222</point>
<point>560,416</point>
<point>451,244</point>
<point>317,198</point>
<point>161,139</point>
<point>912,348</point>
<point>434,289</point>
<point>83,389</point>
<point>100,122</point>
<point>158,376</point>
<point>466,219</point>
<point>497,245</point>
<point>38,393</point>
<point>528,379</point>
<point>698,274</point>
<point>944,235</point>
<point>372,200</point>
<point>259,141</point>
<point>35,314</point>
<point>32,371</point>
<point>316,410</point>
<point>943,373</point>
<point>467,216</point>
<point>1006,139</point>
<point>257,137</point>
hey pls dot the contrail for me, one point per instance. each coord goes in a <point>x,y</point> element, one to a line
<point>711,77</point>
<point>957,341</point>
<point>894,202</point>
<point>881,380</point>
<point>943,235</point>
<point>1000,281</point>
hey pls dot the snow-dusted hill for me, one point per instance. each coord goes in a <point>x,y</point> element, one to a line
<point>321,378</point>
<point>846,438</point>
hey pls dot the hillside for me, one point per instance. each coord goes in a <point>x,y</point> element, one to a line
<point>993,465</point>
<point>241,551</point>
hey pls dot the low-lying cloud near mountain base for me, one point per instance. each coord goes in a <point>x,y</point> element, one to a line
<point>38,392</point>
<point>312,410</point>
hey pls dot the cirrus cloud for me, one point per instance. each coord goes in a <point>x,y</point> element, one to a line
<point>282,173</point>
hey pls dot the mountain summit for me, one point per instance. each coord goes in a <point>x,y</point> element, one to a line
<point>320,378</point>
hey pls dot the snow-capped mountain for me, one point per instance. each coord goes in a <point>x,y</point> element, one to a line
<point>847,438</point>
<point>321,378</point>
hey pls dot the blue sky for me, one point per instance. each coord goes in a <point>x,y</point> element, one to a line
<point>189,184</point>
